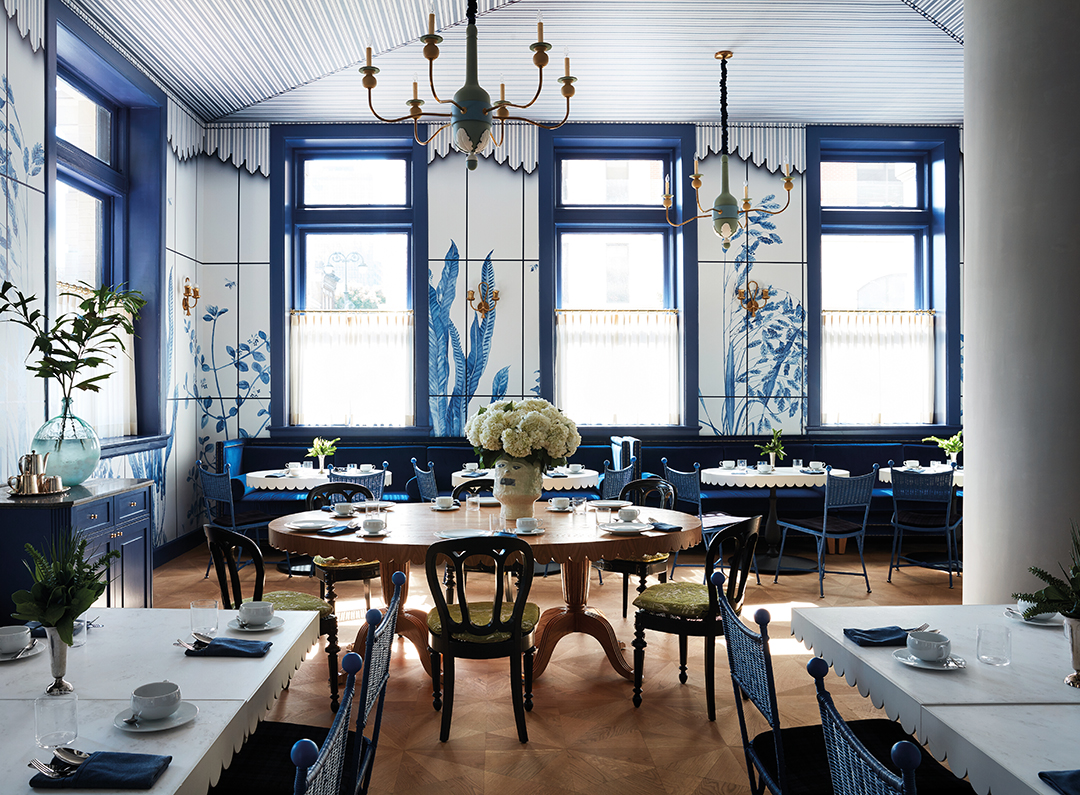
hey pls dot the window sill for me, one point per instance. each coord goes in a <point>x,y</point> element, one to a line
<point>881,431</point>
<point>125,445</point>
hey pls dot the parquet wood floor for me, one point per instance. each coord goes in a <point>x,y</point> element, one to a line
<point>585,736</point>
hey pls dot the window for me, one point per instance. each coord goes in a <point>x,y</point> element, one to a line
<point>351,214</point>
<point>882,254</point>
<point>614,297</point>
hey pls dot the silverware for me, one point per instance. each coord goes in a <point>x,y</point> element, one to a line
<point>186,645</point>
<point>51,772</point>
<point>25,649</point>
<point>955,662</point>
<point>919,628</point>
<point>70,756</point>
<point>133,720</point>
<point>201,640</point>
<point>90,623</point>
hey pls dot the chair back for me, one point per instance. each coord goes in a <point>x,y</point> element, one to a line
<point>223,545</point>
<point>915,491</point>
<point>319,771</point>
<point>626,450</point>
<point>380,643</point>
<point>849,494</point>
<point>425,481</point>
<point>687,484</point>
<point>508,554</point>
<point>654,492</point>
<point>854,771</point>
<point>741,539</point>
<point>616,479</point>
<point>373,482</point>
<point>473,487</point>
<point>216,493</point>
<point>331,493</point>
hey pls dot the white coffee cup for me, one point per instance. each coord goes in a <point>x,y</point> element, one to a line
<point>526,524</point>
<point>817,464</point>
<point>559,503</point>
<point>727,464</point>
<point>156,700</point>
<point>1021,605</point>
<point>367,467</point>
<point>374,525</point>
<point>575,468</point>
<point>444,501</point>
<point>929,646</point>
<point>13,639</point>
<point>628,514</point>
<point>343,508</point>
<point>911,464</point>
<point>470,466</point>
<point>293,468</point>
<point>257,613</point>
<point>764,468</point>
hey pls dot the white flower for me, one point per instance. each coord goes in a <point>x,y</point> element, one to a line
<point>530,427</point>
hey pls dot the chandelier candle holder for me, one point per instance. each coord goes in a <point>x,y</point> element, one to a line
<point>472,110</point>
<point>728,217</point>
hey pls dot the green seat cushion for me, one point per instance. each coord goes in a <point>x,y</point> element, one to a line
<point>682,599</point>
<point>645,558</point>
<point>295,600</point>
<point>480,613</point>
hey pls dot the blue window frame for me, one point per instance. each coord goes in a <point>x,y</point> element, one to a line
<point>338,209</point>
<point>920,205</point>
<point>562,216</point>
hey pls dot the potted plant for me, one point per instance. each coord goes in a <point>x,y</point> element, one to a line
<point>65,584</point>
<point>520,440</point>
<point>953,445</point>
<point>321,448</point>
<point>68,352</point>
<point>774,447</point>
<point>1061,595</point>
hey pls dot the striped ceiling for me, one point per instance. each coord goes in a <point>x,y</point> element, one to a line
<point>818,61</point>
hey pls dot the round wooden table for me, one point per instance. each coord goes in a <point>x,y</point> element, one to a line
<point>571,540</point>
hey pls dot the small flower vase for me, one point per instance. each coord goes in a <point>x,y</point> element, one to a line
<point>518,484</point>
<point>1072,637</point>
<point>952,459</point>
<point>58,651</point>
<point>772,460</point>
<point>322,465</point>
<point>72,445</point>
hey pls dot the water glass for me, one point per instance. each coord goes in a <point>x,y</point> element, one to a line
<point>740,464</point>
<point>495,523</point>
<point>993,644</point>
<point>56,719</point>
<point>797,463</point>
<point>578,504</point>
<point>204,616</point>
<point>308,465</point>
<point>350,469</point>
<point>472,502</point>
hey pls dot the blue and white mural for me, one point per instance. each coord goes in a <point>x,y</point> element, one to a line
<point>444,344</point>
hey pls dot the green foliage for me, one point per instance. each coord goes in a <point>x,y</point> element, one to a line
<point>954,444</point>
<point>65,584</point>
<point>1059,595</point>
<point>77,342</point>
<point>360,298</point>
<point>774,445</point>
<point>322,446</point>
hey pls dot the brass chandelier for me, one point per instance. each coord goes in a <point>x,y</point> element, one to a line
<point>472,110</point>
<point>728,217</point>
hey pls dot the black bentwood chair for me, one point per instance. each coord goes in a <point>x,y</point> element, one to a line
<point>331,571</point>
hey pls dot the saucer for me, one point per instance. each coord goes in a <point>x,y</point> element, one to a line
<point>954,663</point>
<point>273,623</point>
<point>463,533</point>
<point>39,647</point>
<point>311,524</point>
<point>185,713</point>
<point>537,532</point>
<point>451,508</point>
<point>608,504</point>
<point>567,509</point>
<point>1054,621</point>
<point>625,528</point>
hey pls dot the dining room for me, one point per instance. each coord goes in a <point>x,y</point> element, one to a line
<point>209,206</point>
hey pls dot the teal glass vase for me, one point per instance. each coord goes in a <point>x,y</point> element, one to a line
<point>72,445</point>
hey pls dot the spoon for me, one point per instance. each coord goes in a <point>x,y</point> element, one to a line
<point>186,645</point>
<point>70,756</point>
<point>133,720</point>
<point>205,640</point>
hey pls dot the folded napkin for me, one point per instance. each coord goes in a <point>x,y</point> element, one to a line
<point>812,471</point>
<point>277,475</point>
<point>665,528</point>
<point>1067,782</point>
<point>556,475</point>
<point>878,636</point>
<point>477,474</point>
<point>109,770</point>
<point>232,647</point>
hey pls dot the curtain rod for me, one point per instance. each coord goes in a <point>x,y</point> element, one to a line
<point>622,311</point>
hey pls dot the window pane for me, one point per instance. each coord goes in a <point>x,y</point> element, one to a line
<point>80,236</point>
<point>357,271</point>
<point>869,185</point>
<point>623,182</point>
<point>354,182</point>
<point>868,271</point>
<point>612,271</point>
<point>82,122</point>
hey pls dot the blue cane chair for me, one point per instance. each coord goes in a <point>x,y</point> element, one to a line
<point>217,498</point>
<point>848,497</point>
<point>923,504</point>
<point>615,479</point>
<point>374,482</point>
<point>425,481</point>
<point>320,771</point>
<point>688,488</point>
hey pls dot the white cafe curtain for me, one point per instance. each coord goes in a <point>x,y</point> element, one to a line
<point>111,410</point>
<point>618,367</point>
<point>877,367</point>
<point>351,368</point>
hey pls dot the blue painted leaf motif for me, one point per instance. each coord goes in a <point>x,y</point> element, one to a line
<point>220,425</point>
<point>500,383</point>
<point>243,347</point>
<point>258,356</point>
<point>243,385</point>
<point>208,403</point>
<point>242,366</point>
<point>231,351</point>
<point>241,433</point>
<point>232,411</point>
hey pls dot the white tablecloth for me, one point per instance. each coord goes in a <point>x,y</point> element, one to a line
<point>987,697</point>
<point>586,478</point>
<point>885,475</point>
<point>133,647</point>
<point>308,479</point>
<point>781,477</point>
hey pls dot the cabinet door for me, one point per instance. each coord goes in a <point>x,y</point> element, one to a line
<point>128,575</point>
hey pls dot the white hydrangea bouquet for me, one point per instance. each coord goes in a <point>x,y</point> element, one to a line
<point>530,429</point>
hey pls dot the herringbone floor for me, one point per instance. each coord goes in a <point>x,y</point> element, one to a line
<point>585,736</point>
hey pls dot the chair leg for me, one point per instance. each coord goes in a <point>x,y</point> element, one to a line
<point>367,594</point>
<point>859,540</point>
<point>820,566</point>
<point>674,563</point>
<point>710,683</point>
<point>682,659</point>
<point>448,697</point>
<point>894,558</point>
<point>639,661</point>
<point>529,678</point>
<point>516,697</point>
<point>625,592</point>
<point>332,650</point>
<point>779,559</point>
<point>436,683</point>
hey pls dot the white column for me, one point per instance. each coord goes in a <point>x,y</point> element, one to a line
<point>1022,282</point>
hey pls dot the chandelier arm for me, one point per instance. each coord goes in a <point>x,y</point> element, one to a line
<point>770,212</point>
<point>697,198</point>
<point>431,80</point>
<point>502,135</point>
<point>416,133</point>
<point>400,118</point>
<point>539,88</point>
<point>684,223</point>
<point>544,126</point>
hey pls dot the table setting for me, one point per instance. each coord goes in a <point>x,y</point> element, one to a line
<point>932,468</point>
<point>559,478</point>
<point>295,477</point>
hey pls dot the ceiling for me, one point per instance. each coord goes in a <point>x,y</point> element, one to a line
<point>813,61</point>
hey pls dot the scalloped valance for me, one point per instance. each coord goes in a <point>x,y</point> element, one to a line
<point>518,149</point>
<point>29,16</point>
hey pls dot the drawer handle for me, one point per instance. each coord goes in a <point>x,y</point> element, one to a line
<point>93,516</point>
<point>132,504</point>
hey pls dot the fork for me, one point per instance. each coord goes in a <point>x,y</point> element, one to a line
<point>41,767</point>
<point>186,645</point>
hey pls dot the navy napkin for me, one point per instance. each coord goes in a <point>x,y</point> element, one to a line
<point>665,528</point>
<point>477,474</point>
<point>878,636</point>
<point>277,475</point>
<point>1067,782</point>
<point>109,770</point>
<point>555,475</point>
<point>38,631</point>
<point>812,471</point>
<point>232,647</point>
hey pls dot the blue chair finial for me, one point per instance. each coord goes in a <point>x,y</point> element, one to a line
<point>304,753</point>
